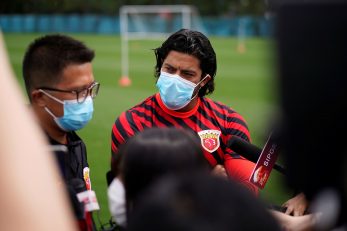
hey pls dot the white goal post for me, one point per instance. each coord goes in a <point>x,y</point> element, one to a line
<point>139,22</point>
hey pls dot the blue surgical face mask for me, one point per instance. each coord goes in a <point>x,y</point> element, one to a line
<point>76,115</point>
<point>175,91</point>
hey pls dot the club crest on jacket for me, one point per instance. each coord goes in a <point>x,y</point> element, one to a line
<point>210,139</point>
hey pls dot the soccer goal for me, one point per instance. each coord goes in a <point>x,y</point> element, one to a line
<point>139,22</point>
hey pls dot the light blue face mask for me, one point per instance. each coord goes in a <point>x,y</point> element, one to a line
<point>175,92</point>
<point>76,115</point>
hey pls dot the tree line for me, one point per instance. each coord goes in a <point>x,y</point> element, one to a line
<point>227,8</point>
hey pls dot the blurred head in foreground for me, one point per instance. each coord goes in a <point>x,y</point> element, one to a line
<point>156,152</point>
<point>199,202</point>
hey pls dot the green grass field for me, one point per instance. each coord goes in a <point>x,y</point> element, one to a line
<point>245,82</point>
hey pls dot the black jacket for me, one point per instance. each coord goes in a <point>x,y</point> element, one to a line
<point>72,162</point>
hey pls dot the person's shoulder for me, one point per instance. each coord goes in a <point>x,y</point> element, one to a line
<point>72,138</point>
<point>217,105</point>
<point>147,101</point>
<point>138,107</point>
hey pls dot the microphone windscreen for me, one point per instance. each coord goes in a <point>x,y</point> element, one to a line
<point>244,148</point>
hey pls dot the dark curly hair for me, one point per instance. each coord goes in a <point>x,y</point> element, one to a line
<point>192,43</point>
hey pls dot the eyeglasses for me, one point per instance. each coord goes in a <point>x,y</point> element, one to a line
<point>81,95</point>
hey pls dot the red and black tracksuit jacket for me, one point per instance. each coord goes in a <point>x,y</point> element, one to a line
<point>206,115</point>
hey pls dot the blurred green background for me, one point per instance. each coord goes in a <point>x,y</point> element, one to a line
<point>245,81</point>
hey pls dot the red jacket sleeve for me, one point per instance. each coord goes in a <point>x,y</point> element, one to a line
<point>240,170</point>
<point>122,129</point>
<point>237,167</point>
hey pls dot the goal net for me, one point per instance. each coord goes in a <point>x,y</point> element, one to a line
<point>138,22</point>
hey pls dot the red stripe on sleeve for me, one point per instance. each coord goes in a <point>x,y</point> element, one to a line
<point>118,138</point>
<point>114,147</point>
<point>117,134</point>
<point>238,126</point>
<point>127,128</point>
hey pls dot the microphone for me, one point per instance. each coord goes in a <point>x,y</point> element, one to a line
<point>250,151</point>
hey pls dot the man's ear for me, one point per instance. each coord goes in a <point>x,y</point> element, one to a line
<point>38,98</point>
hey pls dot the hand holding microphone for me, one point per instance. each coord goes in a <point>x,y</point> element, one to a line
<point>220,171</point>
<point>296,205</point>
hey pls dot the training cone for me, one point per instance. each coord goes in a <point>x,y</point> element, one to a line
<point>124,81</point>
<point>241,48</point>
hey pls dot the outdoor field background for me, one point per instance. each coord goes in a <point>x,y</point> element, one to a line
<point>246,82</point>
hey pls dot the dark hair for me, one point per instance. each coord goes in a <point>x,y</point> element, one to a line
<point>199,202</point>
<point>48,56</point>
<point>155,152</point>
<point>192,43</point>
